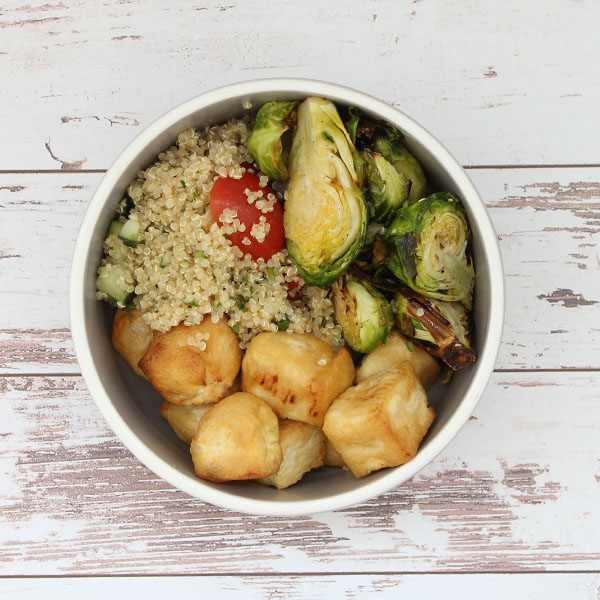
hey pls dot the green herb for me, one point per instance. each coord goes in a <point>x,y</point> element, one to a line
<point>129,306</point>
<point>226,235</point>
<point>195,194</point>
<point>245,277</point>
<point>199,254</point>
<point>410,346</point>
<point>236,329</point>
<point>219,305</point>
<point>239,303</point>
<point>163,264</point>
<point>182,183</point>
<point>270,273</point>
<point>192,303</point>
<point>283,324</point>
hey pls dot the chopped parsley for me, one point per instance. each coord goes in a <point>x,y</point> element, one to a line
<point>283,324</point>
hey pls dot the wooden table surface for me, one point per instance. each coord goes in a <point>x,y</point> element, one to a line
<point>511,508</point>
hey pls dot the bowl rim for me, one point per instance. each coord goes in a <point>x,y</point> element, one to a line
<point>394,477</point>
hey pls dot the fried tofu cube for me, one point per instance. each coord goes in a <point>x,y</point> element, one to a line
<point>184,419</point>
<point>188,370</point>
<point>392,354</point>
<point>333,458</point>
<point>381,421</point>
<point>131,337</point>
<point>238,438</point>
<point>298,375</point>
<point>303,448</point>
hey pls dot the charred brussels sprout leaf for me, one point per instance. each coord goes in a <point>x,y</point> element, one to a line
<point>443,328</point>
<point>325,216</point>
<point>428,248</point>
<point>387,189</point>
<point>265,144</point>
<point>362,312</point>
<point>352,123</point>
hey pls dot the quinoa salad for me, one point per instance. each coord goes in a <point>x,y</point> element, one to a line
<point>291,286</point>
<point>184,267</point>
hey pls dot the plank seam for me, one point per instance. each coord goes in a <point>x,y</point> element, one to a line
<point>271,574</point>
<point>468,167</point>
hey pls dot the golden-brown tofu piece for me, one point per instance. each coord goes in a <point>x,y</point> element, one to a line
<point>184,373</point>
<point>333,458</point>
<point>131,336</point>
<point>184,419</point>
<point>298,375</point>
<point>238,438</point>
<point>381,421</point>
<point>303,448</point>
<point>392,354</point>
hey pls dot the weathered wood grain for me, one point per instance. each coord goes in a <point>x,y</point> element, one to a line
<point>493,88</point>
<point>517,490</point>
<point>548,221</point>
<point>532,586</point>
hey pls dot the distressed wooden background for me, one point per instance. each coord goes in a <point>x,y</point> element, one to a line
<point>511,508</point>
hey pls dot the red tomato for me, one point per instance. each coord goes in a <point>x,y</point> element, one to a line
<point>228,192</point>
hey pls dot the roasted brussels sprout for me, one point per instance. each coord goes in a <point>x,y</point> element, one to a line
<point>265,144</point>
<point>427,245</point>
<point>387,189</point>
<point>386,140</point>
<point>352,123</point>
<point>443,328</point>
<point>392,149</point>
<point>325,214</point>
<point>363,313</point>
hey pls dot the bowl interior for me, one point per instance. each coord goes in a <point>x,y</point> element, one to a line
<point>137,403</point>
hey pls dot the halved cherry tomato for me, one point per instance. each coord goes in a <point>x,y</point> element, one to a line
<point>228,192</point>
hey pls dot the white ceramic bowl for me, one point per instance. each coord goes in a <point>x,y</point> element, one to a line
<point>130,404</point>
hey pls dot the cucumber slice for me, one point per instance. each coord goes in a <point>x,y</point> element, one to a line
<point>114,228</point>
<point>108,284</point>
<point>129,233</point>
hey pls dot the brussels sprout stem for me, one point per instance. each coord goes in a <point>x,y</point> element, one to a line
<point>447,346</point>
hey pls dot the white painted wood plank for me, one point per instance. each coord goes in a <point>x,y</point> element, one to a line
<point>533,586</point>
<point>79,81</point>
<point>548,221</point>
<point>517,490</point>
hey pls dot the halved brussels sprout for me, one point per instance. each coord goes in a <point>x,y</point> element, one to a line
<point>393,150</point>
<point>364,314</point>
<point>265,144</point>
<point>427,244</point>
<point>387,189</point>
<point>442,327</point>
<point>325,216</point>
<point>385,139</point>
